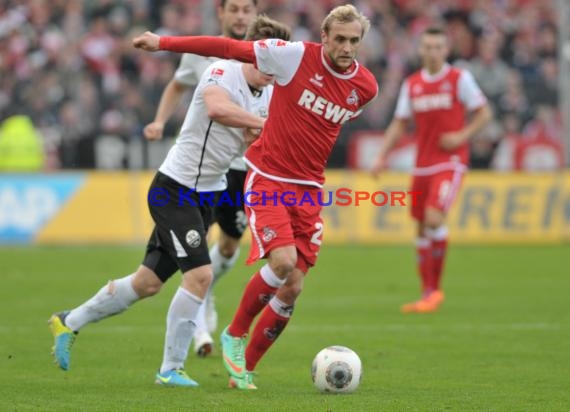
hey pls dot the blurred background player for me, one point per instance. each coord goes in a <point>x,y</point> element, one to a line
<point>234,16</point>
<point>229,97</point>
<point>437,98</point>
<point>318,88</point>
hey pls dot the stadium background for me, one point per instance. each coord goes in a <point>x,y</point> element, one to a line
<point>74,170</point>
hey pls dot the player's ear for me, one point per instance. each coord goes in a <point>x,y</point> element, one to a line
<point>324,36</point>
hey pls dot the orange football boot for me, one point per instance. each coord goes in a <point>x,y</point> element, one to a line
<point>427,304</point>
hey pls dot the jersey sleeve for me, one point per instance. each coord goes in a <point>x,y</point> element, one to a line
<point>404,105</point>
<point>186,72</point>
<point>278,58</point>
<point>469,93</point>
<point>221,74</point>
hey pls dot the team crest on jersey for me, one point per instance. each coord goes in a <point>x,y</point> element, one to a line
<point>445,87</point>
<point>268,234</point>
<point>317,79</point>
<point>417,89</point>
<point>262,112</point>
<point>352,98</point>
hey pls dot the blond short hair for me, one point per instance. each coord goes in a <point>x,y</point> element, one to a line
<point>345,14</point>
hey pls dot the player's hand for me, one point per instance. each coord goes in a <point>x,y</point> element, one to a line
<point>378,166</point>
<point>452,140</point>
<point>147,41</point>
<point>250,135</point>
<point>153,131</point>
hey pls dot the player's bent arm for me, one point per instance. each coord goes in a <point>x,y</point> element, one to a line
<point>223,110</point>
<point>481,117</point>
<point>394,133</point>
<point>170,98</point>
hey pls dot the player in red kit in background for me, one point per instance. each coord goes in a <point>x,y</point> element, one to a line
<point>318,87</point>
<point>437,98</point>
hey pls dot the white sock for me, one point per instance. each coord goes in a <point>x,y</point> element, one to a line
<point>113,298</point>
<point>270,277</point>
<point>439,233</point>
<point>180,326</point>
<point>221,264</point>
<point>201,317</point>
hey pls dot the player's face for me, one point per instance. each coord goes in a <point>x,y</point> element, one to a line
<point>433,51</point>
<point>235,17</point>
<point>342,42</point>
<point>260,79</point>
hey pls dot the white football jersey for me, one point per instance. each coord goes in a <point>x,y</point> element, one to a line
<point>189,72</point>
<point>205,149</point>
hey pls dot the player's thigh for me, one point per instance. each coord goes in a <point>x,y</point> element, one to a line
<point>420,185</point>
<point>269,220</point>
<point>229,212</point>
<point>181,226</point>
<point>308,229</point>
<point>157,260</point>
<point>443,190</point>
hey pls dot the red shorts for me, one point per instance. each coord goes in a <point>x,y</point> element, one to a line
<point>438,191</point>
<point>277,218</point>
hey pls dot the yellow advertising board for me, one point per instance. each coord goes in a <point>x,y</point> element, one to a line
<point>491,208</point>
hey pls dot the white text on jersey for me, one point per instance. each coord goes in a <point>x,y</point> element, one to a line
<point>321,106</point>
<point>432,102</point>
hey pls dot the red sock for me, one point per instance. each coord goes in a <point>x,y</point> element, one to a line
<point>256,295</point>
<point>424,258</point>
<point>266,331</point>
<point>438,252</point>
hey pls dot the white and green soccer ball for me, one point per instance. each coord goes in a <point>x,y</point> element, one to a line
<point>337,369</point>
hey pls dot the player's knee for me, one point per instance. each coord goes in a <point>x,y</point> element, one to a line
<point>199,278</point>
<point>282,261</point>
<point>228,246</point>
<point>283,266</point>
<point>289,292</point>
<point>434,220</point>
<point>146,283</point>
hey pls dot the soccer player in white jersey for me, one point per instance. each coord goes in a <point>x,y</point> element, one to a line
<point>234,16</point>
<point>318,87</point>
<point>230,96</point>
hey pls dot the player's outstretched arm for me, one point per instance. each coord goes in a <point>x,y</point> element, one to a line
<point>394,132</point>
<point>147,41</point>
<point>208,46</point>
<point>223,110</point>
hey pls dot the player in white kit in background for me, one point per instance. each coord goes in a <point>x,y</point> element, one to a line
<point>234,16</point>
<point>228,99</point>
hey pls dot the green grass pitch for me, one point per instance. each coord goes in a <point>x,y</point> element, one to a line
<point>501,342</point>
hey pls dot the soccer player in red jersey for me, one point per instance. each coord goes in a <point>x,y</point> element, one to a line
<point>437,97</point>
<point>318,88</point>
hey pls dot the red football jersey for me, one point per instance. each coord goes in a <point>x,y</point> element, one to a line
<point>438,104</point>
<point>310,103</point>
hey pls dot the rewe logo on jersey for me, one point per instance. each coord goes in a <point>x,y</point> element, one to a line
<point>322,107</point>
<point>432,102</point>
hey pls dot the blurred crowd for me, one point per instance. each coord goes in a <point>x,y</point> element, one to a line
<point>69,64</point>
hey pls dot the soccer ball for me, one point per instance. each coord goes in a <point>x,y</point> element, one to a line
<point>336,369</point>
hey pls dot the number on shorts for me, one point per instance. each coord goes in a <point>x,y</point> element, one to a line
<point>444,189</point>
<point>315,238</point>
